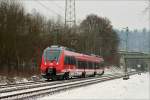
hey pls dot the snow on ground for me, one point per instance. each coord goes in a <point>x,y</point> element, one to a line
<point>136,88</point>
<point>12,80</point>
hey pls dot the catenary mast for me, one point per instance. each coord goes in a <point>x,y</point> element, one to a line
<point>70,16</point>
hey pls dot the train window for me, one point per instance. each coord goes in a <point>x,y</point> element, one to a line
<point>97,65</point>
<point>51,55</point>
<point>94,65</point>
<point>73,60</point>
<point>67,60</point>
<point>90,65</point>
<point>70,60</point>
<point>102,64</point>
<point>85,64</point>
<point>81,64</point>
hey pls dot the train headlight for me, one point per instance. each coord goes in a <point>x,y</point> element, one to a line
<point>51,64</point>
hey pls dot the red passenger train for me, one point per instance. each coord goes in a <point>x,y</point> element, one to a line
<point>60,62</point>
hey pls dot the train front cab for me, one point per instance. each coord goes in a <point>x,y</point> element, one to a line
<point>52,64</point>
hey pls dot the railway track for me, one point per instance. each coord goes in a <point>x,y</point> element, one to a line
<point>19,84</point>
<point>32,90</point>
<point>27,85</point>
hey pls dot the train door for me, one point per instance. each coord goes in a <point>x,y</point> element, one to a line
<point>69,64</point>
<point>72,65</point>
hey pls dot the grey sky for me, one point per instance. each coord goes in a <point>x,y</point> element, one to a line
<point>121,13</point>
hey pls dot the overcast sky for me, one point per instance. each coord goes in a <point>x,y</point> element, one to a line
<point>126,13</point>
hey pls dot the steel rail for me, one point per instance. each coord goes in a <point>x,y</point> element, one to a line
<point>41,84</point>
<point>19,84</point>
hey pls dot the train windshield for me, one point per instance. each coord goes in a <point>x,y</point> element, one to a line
<point>51,55</point>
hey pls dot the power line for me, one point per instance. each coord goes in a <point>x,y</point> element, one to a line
<point>91,0</point>
<point>47,8</point>
<point>60,7</point>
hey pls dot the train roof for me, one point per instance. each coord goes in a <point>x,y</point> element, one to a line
<point>81,56</point>
<point>77,55</point>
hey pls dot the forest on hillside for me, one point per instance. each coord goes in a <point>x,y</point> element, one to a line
<point>24,36</point>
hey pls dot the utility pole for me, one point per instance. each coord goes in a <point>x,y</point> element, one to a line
<point>149,27</point>
<point>56,32</point>
<point>127,33</point>
<point>126,76</point>
<point>149,24</point>
<point>70,15</point>
<point>147,9</point>
<point>126,40</point>
<point>70,20</point>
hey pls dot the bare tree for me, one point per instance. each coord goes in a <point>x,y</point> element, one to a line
<point>98,37</point>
